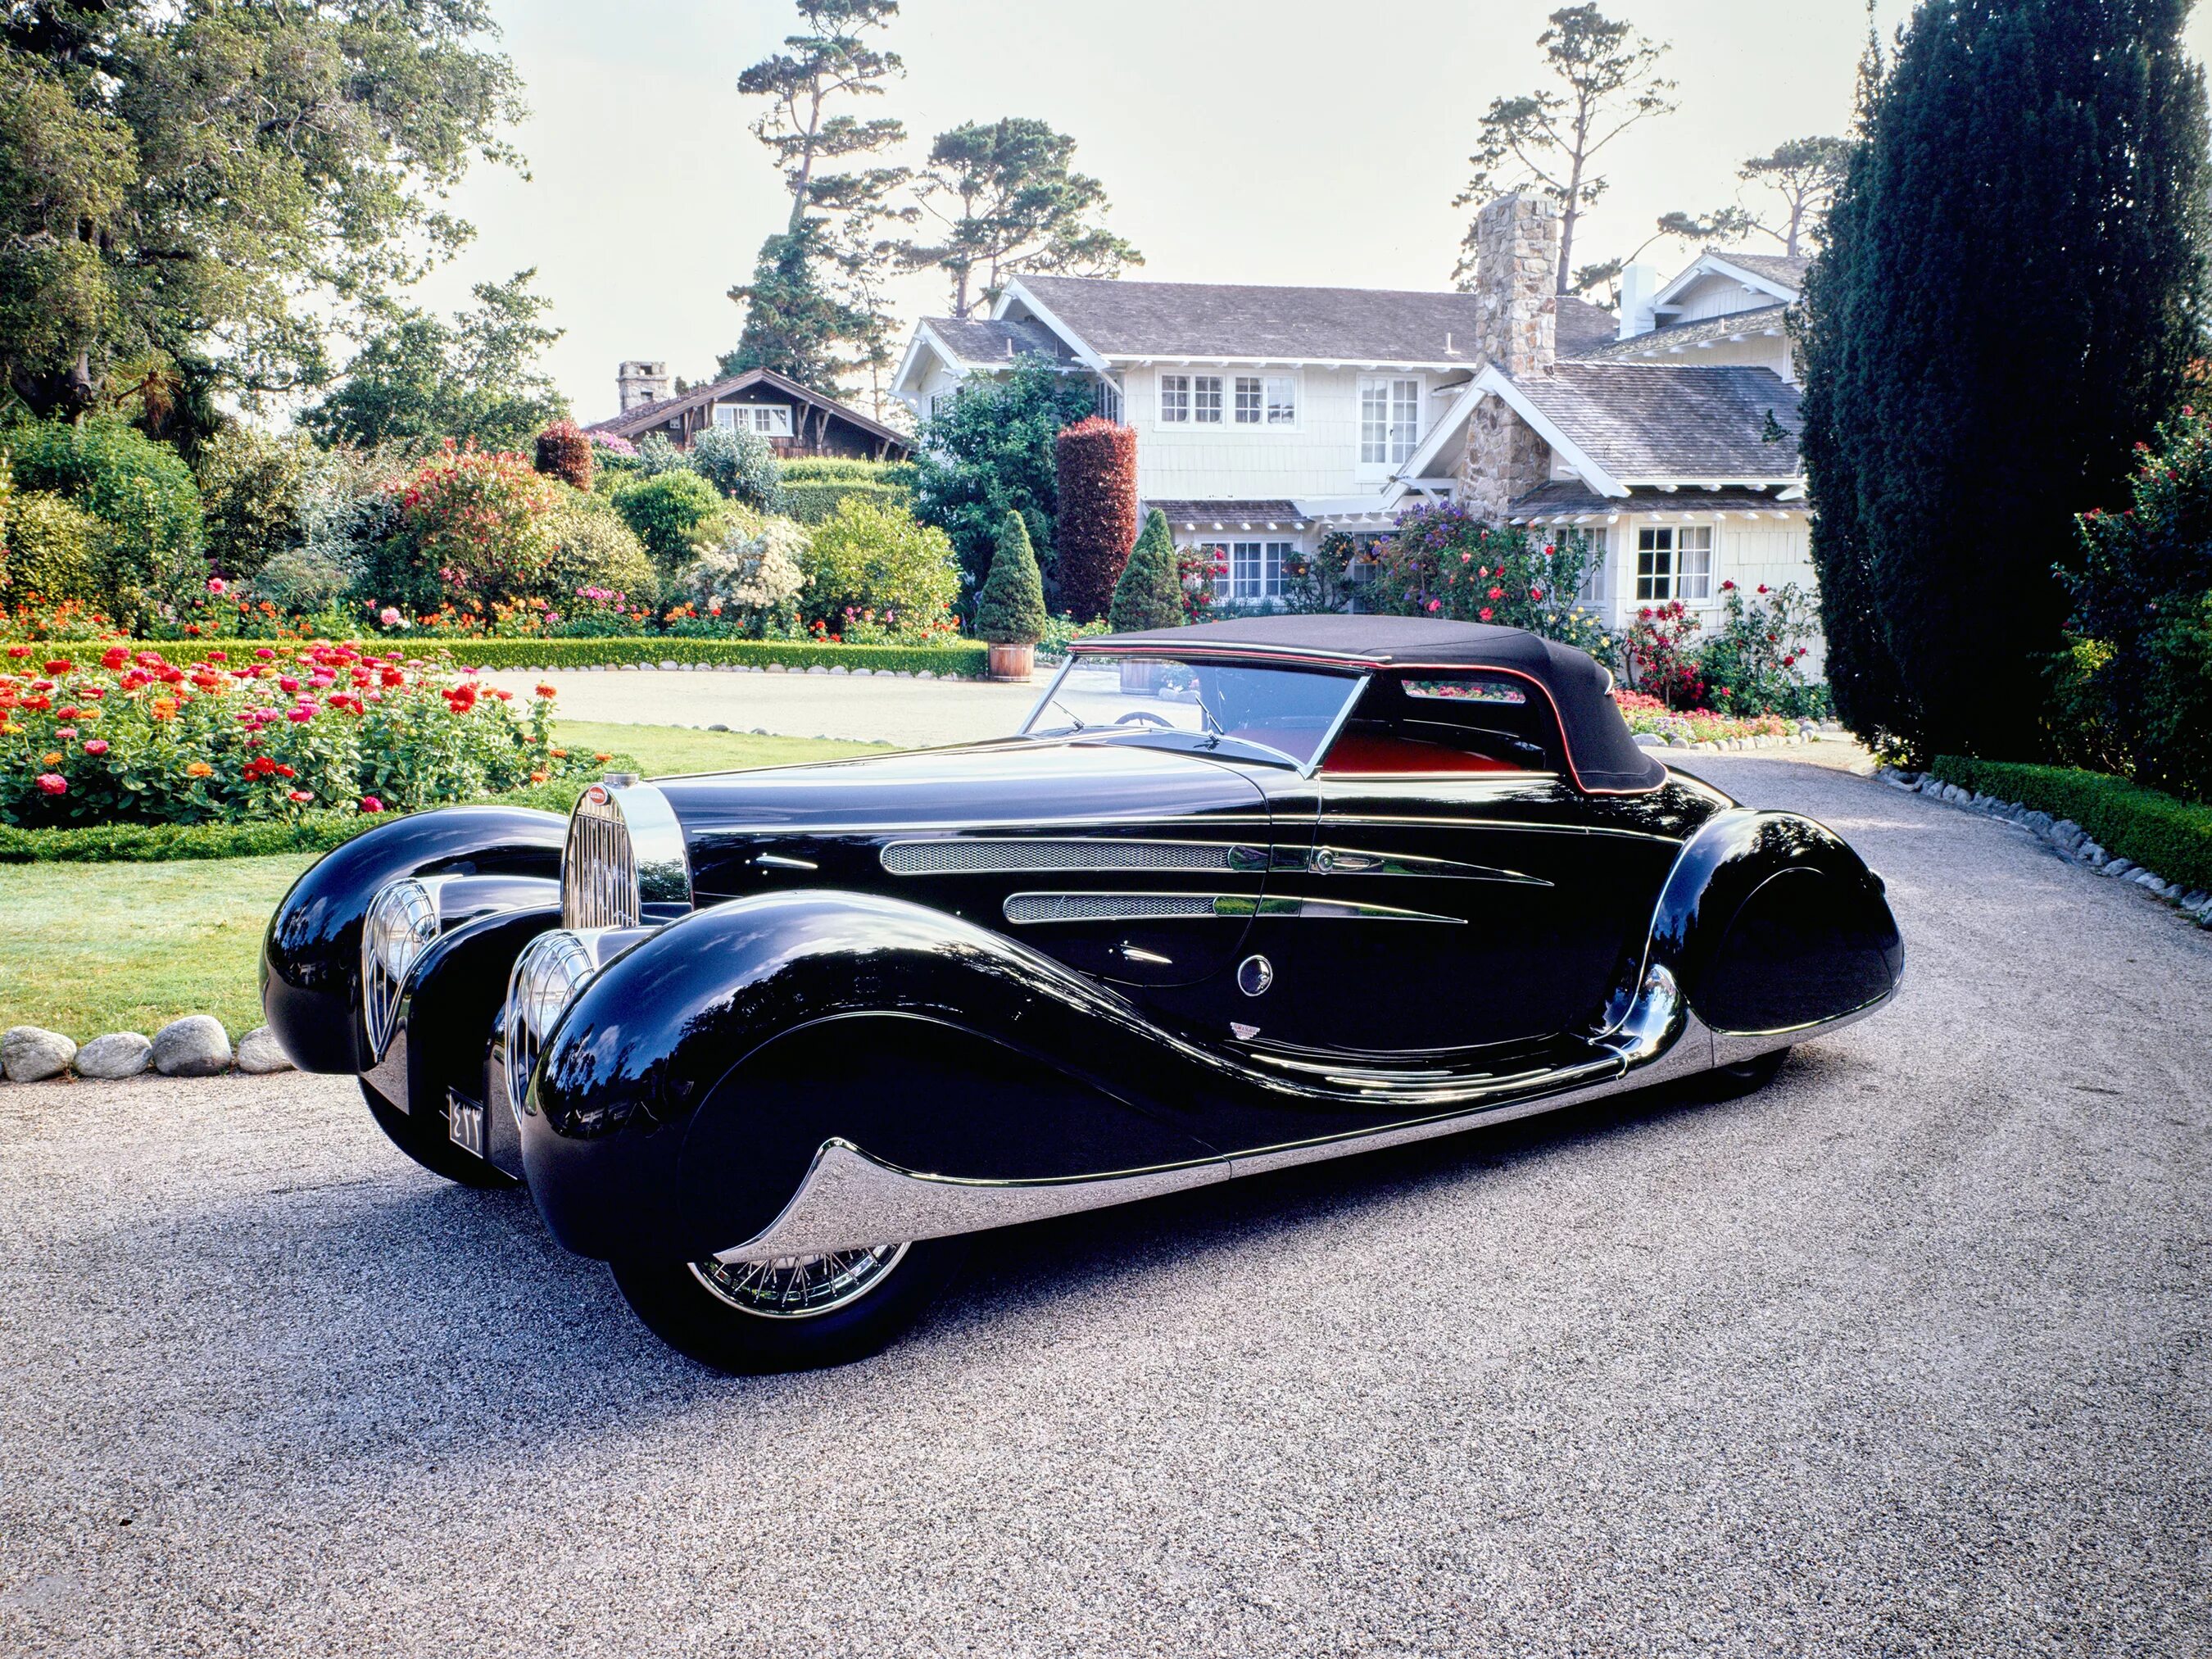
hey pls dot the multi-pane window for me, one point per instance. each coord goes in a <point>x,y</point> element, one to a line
<point>1109,399</point>
<point>1175,399</point>
<point>1248,400</point>
<point>1250,570</point>
<point>1389,421</point>
<point>1206,399</point>
<point>1675,562</point>
<point>769,420</point>
<point>1282,399</point>
<point>1267,400</point>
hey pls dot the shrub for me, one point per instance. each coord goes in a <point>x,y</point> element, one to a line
<point>944,658</point>
<point>867,557</point>
<point>656,455</point>
<point>2170,837</point>
<point>1751,666</point>
<point>305,580</point>
<point>1010,611</point>
<point>106,467</point>
<point>54,551</point>
<point>847,469</point>
<point>671,512</point>
<point>1149,593</point>
<point>1659,656</point>
<point>810,503</point>
<point>613,446</point>
<point>469,528</point>
<point>594,547</point>
<point>132,737</point>
<point>1095,466</point>
<point>2177,702</point>
<point>741,465</point>
<point>1440,560</point>
<point>753,578</point>
<point>251,486</point>
<point>564,453</point>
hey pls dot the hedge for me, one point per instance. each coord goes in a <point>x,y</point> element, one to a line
<point>847,468</point>
<point>1096,462</point>
<point>968,659</point>
<point>2169,837</point>
<point>810,503</point>
<point>311,832</point>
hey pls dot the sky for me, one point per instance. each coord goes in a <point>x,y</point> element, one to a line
<point>1254,141</point>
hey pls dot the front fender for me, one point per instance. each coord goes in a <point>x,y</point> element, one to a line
<point>311,955</point>
<point>1771,922</point>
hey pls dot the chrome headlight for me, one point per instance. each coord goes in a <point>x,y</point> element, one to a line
<point>402,923</point>
<point>551,972</point>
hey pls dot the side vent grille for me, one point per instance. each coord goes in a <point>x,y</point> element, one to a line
<point>1108,907</point>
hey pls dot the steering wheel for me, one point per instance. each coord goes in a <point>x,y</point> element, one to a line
<point>1145,714</point>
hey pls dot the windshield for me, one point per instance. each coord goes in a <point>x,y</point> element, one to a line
<point>1279,714</point>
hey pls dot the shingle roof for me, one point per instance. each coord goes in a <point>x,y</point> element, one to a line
<point>1562,496</point>
<point>1117,318</point>
<point>1787,268</point>
<point>642,418</point>
<point>1655,421</point>
<point>988,340</point>
<point>1678,336</point>
<point>1581,327</point>
<point>1228,512</point>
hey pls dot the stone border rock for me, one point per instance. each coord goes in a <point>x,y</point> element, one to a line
<point>195,1046</point>
<point>2068,837</point>
<point>1807,732</point>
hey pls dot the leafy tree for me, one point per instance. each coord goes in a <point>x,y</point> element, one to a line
<point>177,177</point>
<point>1804,173</point>
<point>796,318</point>
<point>1551,138</point>
<point>1149,592</point>
<point>476,378</point>
<point>252,487</point>
<point>991,452</point>
<point>2010,290</point>
<point>1010,609</point>
<point>1009,202</point>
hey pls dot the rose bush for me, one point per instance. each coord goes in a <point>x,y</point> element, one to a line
<point>1441,559</point>
<point>124,736</point>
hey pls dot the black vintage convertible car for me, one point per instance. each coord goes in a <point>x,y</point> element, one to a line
<point>1237,897</point>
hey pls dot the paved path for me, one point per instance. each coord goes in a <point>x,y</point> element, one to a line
<point>1906,1355</point>
<point>911,713</point>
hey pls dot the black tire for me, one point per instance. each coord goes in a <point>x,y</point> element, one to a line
<point>674,1302</point>
<point>424,1138</point>
<point>1746,1077</point>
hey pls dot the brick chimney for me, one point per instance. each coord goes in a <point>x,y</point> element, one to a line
<point>1516,262</point>
<point>640,383</point>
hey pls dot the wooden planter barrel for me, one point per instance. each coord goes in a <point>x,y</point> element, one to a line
<point>1013,662</point>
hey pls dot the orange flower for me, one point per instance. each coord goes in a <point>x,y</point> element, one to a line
<point>539,777</point>
<point>558,754</point>
<point>199,769</point>
<point>547,691</point>
<point>54,757</point>
<point>164,708</point>
<point>602,759</point>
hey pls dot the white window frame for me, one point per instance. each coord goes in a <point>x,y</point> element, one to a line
<point>1109,399</point>
<point>1654,575</point>
<point>1694,563</point>
<point>1255,567</point>
<point>1209,395</point>
<point>1174,399</point>
<point>768,420</point>
<point>1597,573</point>
<point>1399,435</point>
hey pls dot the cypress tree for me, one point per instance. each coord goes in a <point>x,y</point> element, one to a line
<point>2007,299</point>
<point>1149,592</point>
<point>1010,611</point>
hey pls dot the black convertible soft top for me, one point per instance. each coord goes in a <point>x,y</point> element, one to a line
<point>1603,756</point>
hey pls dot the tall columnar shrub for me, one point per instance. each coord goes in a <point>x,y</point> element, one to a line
<point>2009,297</point>
<point>1149,592</point>
<point>1010,611</point>
<point>1097,468</point>
<point>564,453</point>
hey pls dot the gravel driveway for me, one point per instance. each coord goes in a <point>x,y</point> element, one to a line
<point>1906,1355</point>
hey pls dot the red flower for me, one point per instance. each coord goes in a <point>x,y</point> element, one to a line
<point>53,783</point>
<point>282,771</point>
<point>19,650</point>
<point>300,795</point>
<point>371,803</point>
<point>1484,613</point>
<point>546,691</point>
<point>1495,593</point>
<point>1762,587</point>
<point>60,665</point>
<point>112,659</point>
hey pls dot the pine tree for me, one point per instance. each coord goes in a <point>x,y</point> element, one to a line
<point>1150,592</point>
<point>1010,611</point>
<point>2008,299</point>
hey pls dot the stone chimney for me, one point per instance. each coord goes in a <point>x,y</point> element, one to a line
<point>640,383</point>
<point>1639,284</point>
<point>1516,272</point>
<point>1516,265</point>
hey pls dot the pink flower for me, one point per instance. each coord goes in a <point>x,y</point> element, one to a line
<point>301,715</point>
<point>264,654</point>
<point>1484,613</point>
<point>1436,605</point>
<point>53,783</point>
<point>371,803</point>
<point>389,616</point>
<point>300,796</point>
<point>216,585</point>
<point>97,746</point>
<point>64,733</point>
<point>287,683</point>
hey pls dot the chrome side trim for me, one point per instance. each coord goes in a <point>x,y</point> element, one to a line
<point>961,855</point>
<point>1026,908</point>
<point>850,1200</point>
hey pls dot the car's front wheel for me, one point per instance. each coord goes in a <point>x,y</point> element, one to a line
<point>793,1314</point>
<point>1746,1076</point>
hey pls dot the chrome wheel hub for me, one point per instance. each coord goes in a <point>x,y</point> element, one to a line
<point>799,1286</point>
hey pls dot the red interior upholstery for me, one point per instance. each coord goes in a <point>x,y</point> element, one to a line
<point>1359,754</point>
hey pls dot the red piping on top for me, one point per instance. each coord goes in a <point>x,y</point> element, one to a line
<point>1161,649</point>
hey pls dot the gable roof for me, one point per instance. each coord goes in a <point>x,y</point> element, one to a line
<point>989,341</point>
<point>1117,318</point>
<point>1780,274</point>
<point>1581,327</point>
<point>1671,338</point>
<point>633,423</point>
<point>1622,424</point>
<point>1786,269</point>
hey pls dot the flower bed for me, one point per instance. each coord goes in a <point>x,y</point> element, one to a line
<point>1651,716</point>
<point>966,660</point>
<point>265,734</point>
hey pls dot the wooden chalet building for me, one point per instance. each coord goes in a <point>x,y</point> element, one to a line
<point>796,421</point>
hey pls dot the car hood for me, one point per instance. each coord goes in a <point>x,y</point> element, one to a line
<point>1014,783</point>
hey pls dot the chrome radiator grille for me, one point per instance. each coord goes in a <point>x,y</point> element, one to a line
<point>599,870</point>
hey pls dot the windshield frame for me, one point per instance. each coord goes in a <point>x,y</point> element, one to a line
<point>1357,679</point>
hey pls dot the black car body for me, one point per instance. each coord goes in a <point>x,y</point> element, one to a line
<point>1323,883</point>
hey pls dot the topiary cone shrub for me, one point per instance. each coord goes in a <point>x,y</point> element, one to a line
<point>1097,464</point>
<point>1010,611</point>
<point>564,453</point>
<point>1149,592</point>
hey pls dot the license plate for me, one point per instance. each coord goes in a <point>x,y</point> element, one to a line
<point>465,1120</point>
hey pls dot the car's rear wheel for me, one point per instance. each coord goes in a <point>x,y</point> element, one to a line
<point>1746,1076</point>
<point>426,1137</point>
<point>793,1314</point>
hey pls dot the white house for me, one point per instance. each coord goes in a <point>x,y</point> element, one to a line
<point>1268,416</point>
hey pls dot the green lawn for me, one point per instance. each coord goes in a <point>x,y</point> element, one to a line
<point>90,948</point>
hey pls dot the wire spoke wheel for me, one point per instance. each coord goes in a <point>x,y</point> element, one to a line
<point>799,1286</point>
